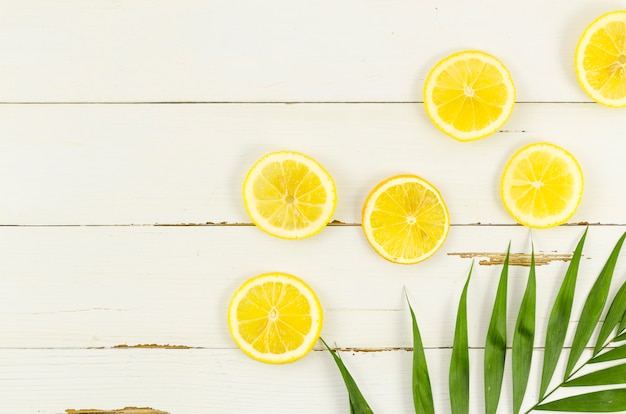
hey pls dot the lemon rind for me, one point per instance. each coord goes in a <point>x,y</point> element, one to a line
<point>579,58</point>
<point>317,318</point>
<point>368,207</point>
<point>447,129</point>
<point>523,219</point>
<point>314,227</point>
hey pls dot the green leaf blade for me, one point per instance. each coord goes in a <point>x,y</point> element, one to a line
<point>612,319</point>
<point>621,337</point>
<point>559,318</point>
<point>459,365</point>
<point>358,404</point>
<point>607,401</point>
<point>622,325</point>
<point>612,355</point>
<point>495,346</point>
<point>524,339</point>
<point>608,376</point>
<point>592,309</point>
<point>422,391</point>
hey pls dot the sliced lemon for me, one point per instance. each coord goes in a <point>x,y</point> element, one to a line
<point>469,95</point>
<point>275,318</point>
<point>542,185</point>
<point>601,59</point>
<point>405,219</point>
<point>289,195</point>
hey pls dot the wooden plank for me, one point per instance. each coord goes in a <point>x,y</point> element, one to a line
<point>171,164</point>
<point>224,50</point>
<point>212,380</point>
<point>90,287</point>
<point>125,410</point>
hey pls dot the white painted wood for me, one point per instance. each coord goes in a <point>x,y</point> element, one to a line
<point>214,380</point>
<point>83,270</point>
<point>242,50</point>
<point>146,164</point>
<point>94,287</point>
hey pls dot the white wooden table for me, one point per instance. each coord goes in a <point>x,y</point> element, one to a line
<point>126,129</point>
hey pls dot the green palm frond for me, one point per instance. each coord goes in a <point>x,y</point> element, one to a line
<point>559,318</point>
<point>358,404</point>
<point>609,346</point>
<point>459,377</point>
<point>422,391</point>
<point>495,345</point>
<point>524,339</point>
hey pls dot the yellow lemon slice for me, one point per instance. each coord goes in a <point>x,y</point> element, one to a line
<point>542,185</point>
<point>601,59</point>
<point>405,219</point>
<point>289,195</point>
<point>275,318</point>
<point>469,95</point>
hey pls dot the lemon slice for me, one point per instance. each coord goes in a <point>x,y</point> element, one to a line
<point>405,219</point>
<point>275,318</point>
<point>601,59</point>
<point>542,185</point>
<point>469,95</point>
<point>289,195</point>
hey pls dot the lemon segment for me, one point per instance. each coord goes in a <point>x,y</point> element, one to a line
<point>469,95</point>
<point>289,195</point>
<point>542,185</point>
<point>275,318</point>
<point>405,219</point>
<point>601,59</point>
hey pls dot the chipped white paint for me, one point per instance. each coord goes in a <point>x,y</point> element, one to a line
<point>101,309</point>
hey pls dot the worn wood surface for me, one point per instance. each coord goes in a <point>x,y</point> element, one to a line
<point>280,50</point>
<point>175,164</point>
<point>127,127</point>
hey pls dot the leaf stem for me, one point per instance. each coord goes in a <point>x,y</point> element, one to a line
<point>545,397</point>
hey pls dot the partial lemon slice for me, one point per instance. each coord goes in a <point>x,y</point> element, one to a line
<point>275,318</point>
<point>289,195</point>
<point>542,185</point>
<point>469,95</point>
<point>601,59</point>
<point>405,219</point>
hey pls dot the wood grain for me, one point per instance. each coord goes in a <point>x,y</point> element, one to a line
<point>126,410</point>
<point>515,259</point>
<point>94,287</point>
<point>127,127</point>
<point>278,51</point>
<point>213,380</point>
<point>174,164</point>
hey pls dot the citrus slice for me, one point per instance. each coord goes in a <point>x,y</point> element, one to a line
<point>469,95</point>
<point>405,219</point>
<point>601,59</point>
<point>275,318</point>
<point>289,195</point>
<point>542,185</point>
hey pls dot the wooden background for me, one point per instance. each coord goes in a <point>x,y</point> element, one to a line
<point>127,127</point>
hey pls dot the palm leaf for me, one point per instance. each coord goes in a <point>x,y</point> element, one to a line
<point>607,401</point>
<point>495,346</point>
<point>613,318</point>
<point>524,338</point>
<point>559,318</point>
<point>358,404</point>
<point>608,376</point>
<point>459,364</point>
<point>612,355</point>
<point>422,392</point>
<point>592,309</point>
<point>621,337</point>
<point>622,325</point>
